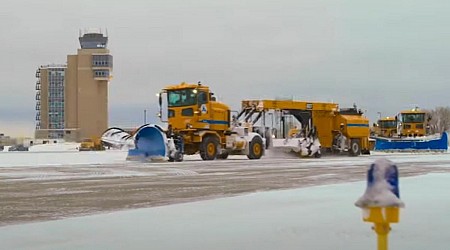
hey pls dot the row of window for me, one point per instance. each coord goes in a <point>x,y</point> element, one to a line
<point>56,104</point>
<point>101,73</point>
<point>52,119</point>
<point>102,60</point>
<point>52,96</point>
<point>56,78</point>
<point>53,102</point>
<point>55,115</point>
<point>56,89</point>
<point>101,63</point>
<point>56,135</point>
<point>56,84</point>
<point>56,94</point>
<point>56,126</point>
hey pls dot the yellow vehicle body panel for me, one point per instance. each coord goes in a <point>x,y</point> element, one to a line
<point>293,105</point>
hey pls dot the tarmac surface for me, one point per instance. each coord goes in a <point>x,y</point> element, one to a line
<point>40,193</point>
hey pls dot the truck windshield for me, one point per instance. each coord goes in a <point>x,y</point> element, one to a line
<point>181,97</point>
<point>387,124</point>
<point>413,117</point>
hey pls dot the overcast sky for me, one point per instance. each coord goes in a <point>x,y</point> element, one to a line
<point>383,55</point>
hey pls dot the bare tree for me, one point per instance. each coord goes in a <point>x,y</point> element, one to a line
<point>439,119</point>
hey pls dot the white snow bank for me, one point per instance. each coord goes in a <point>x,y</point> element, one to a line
<point>311,218</point>
<point>55,147</point>
<point>61,158</point>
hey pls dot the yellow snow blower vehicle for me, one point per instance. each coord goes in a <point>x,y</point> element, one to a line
<point>197,123</point>
<point>320,126</point>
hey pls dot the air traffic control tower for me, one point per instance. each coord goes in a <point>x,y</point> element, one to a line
<point>72,99</point>
<point>86,96</point>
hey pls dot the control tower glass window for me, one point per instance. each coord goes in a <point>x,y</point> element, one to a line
<point>182,97</point>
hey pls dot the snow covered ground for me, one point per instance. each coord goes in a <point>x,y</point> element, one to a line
<point>321,217</point>
<point>66,155</point>
<point>59,157</point>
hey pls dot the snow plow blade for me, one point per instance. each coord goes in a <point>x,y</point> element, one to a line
<point>150,144</point>
<point>427,143</point>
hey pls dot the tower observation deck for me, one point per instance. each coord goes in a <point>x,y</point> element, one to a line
<point>93,39</point>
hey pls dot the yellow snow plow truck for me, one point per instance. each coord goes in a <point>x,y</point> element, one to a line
<point>386,127</point>
<point>318,125</point>
<point>197,123</point>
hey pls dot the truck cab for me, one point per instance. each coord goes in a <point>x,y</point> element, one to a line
<point>386,127</point>
<point>193,106</point>
<point>412,123</point>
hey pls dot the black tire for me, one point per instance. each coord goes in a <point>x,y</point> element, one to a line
<point>365,152</point>
<point>317,154</point>
<point>355,147</point>
<point>208,148</point>
<point>256,148</point>
<point>268,139</point>
<point>223,156</point>
<point>178,157</point>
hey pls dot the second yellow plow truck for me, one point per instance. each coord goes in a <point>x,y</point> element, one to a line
<point>302,126</point>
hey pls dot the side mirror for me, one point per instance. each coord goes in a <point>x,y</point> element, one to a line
<point>213,98</point>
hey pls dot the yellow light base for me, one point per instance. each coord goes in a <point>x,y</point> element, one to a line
<point>381,214</point>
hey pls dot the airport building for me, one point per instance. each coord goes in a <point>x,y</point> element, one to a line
<point>72,99</point>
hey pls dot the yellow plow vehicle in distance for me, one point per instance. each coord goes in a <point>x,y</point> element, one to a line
<point>412,135</point>
<point>91,144</point>
<point>386,127</point>
<point>412,123</point>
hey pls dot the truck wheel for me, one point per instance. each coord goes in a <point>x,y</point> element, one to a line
<point>268,139</point>
<point>208,148</point>
<point>178,157</point>
<point>355,147</point>
<point>256,148</point>
<point>317,154</point>
<point>223,156</point>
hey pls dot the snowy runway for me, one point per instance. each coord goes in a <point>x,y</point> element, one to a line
<point>312,209</point>
<point>322,217</point>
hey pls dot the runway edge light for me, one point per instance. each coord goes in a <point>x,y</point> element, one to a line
<point>381,202</point>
